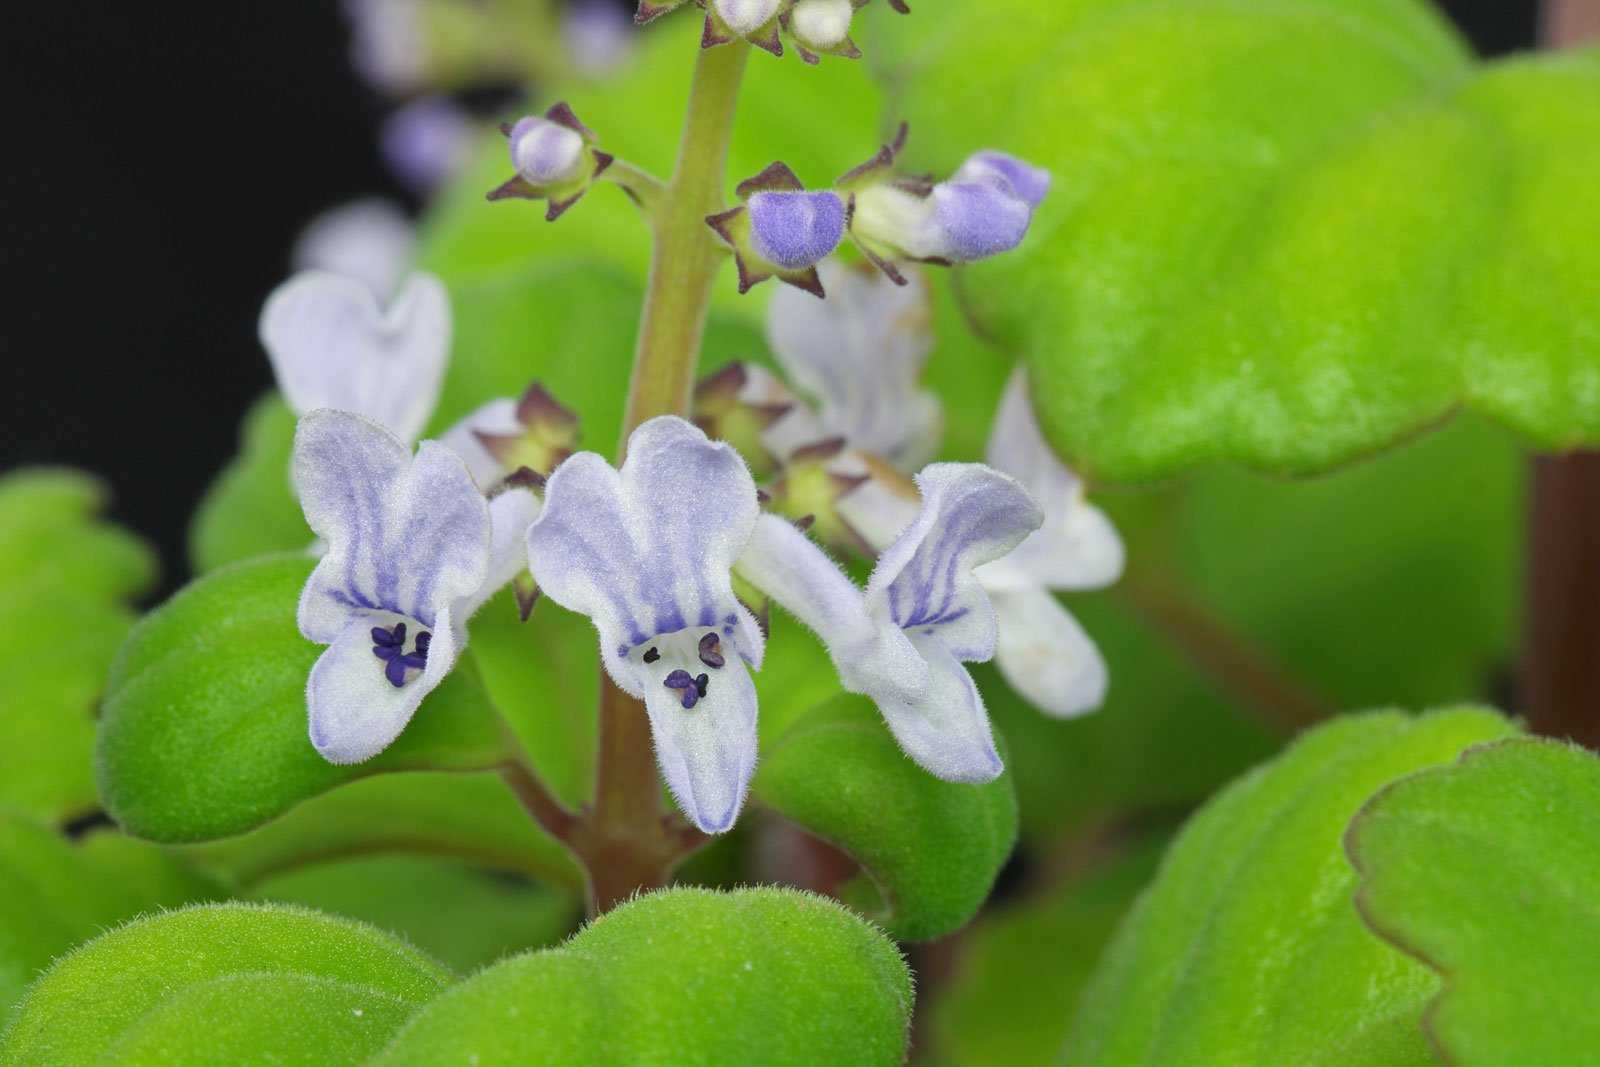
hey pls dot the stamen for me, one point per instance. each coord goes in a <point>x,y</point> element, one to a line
<point>389,646</point>
<point>652,655</point>
<point>700,683</point>
<point>689,692</point>
<point>711,652</point>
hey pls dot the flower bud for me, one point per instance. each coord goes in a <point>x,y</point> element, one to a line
<point>781,230</point>
<point>555,160</point>
<point>749,407</point>
<point>545,153</point>
<point>822,26</point>
<point>754,20</point>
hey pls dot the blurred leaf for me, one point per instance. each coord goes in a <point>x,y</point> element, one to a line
<point>1393,579</point>
<point>204,733</point>
<point>226,983</point>
<point>470,816</point>
<point>250,509</point>
<point>1023,969</point>
<point>768,976</point>
<point>1246,949</point>
<point>1485,871</point>
<point>54,894</point>
<point>1286,234</point>
<point>465,916</point>
<point>65,577</point>
<point>932,848</point>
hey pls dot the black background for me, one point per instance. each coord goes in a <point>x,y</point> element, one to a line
<point>159,159</point>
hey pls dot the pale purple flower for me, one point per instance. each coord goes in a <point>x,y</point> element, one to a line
<point>333,346</point>
<point>386,43</point>
<point>923,614</point>
<point>1021,179</point>
<point>795,230</point>
<point>413,548</point>
<point>984,210</point>
<point>646,552</point>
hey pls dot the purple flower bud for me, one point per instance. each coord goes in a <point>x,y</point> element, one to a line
<point>426,142</point>
<point>598,35</point>
<point>794,230</point>
<point>745,17</point>
<point>978,219</point>
<point>1021,179</point>
<point>545,152</point>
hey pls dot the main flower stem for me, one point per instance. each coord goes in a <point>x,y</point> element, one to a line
<point>686,255</point>
<point>629,841</point>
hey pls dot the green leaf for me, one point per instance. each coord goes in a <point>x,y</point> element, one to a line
<point>65,578</point>
<point>932,848</point>
<point>463,915</point>
<point>470,816</point>
<point>250,509</point>
<point>204,733</point>
<point>683,976</point>
<point>228,983</point>
<point>1022,970</point>
<point>1395,579</point>
<point>54,894</point>
<point>1286,234</point>
<point>1485,871</point>
<point>1246,949</point>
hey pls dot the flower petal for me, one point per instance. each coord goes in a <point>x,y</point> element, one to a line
<point>706,752</point>
<point>1022,179</point>
<point>1077,547</point>
<point>369,240</point>
<point>971,514</point>
<point>496,418</point>
<point>331,347</point>
<point>946,731</point>
<point>795,230</point>
<point>510,515</point>
<point>648,550</point>
<point>860,353</point>
<point>407,536</point>
<point>355,712</point>
<point>979,219</point>
<point>870,656</point>
<point>1046,656</point>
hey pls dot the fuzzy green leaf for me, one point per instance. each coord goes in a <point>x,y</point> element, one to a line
<point>683,977</point>
<point>243,984</point>
<point>54,894</point>
<point>65,578</point>
<point>204,733</point>
<point>1246,949</point>
<point>250,509</point>
<point>932,848</point>
<point>471,816</point>
<point>1485,871</point>
<point>1022,970</point>
<point>462,915</point>
<point>1286,234</point>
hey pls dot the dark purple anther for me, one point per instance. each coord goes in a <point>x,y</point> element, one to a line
<point>389,646</point>
<point>710,652</point>
<point>700,683</point>
<point>688,691</point>
<point>652,655</point>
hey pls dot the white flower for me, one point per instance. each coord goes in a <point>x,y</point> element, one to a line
<point>413,549</point>
<point>923,613</point>
<point>1043,652</point>
<point>646,553</point>
<point>333,346</point>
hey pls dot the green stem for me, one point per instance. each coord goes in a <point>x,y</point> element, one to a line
<point>686,257</point>
<point>645,188</point>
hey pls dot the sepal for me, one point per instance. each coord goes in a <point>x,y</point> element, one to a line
<point>851,500</point>
<point>544,432</point>
<point>555,159</point>
<point>650,10</point>
<point>741,404</point>
<point>822,27</point>
<point>756,21</point>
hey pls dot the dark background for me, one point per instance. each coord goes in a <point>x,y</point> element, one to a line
<point>159,160</point>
